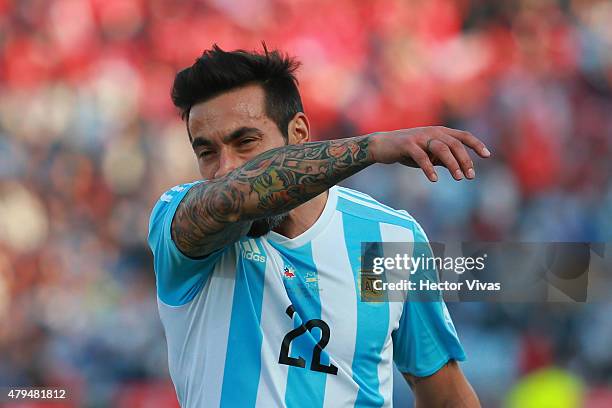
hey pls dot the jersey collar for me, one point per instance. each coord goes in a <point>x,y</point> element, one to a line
<point>314,230</point>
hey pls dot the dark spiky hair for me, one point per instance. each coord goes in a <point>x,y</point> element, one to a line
<point>218,71</point>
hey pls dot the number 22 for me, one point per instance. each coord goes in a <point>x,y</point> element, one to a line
<point>315,364</point>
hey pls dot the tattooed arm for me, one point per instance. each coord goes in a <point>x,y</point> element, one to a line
<point>218,212</point>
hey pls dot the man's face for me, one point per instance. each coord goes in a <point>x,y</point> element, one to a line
<point>228,131</point>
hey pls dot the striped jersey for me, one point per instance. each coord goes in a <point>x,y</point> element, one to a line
<point>275,322</point>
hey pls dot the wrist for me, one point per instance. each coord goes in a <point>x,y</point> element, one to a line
<point>373,147</point>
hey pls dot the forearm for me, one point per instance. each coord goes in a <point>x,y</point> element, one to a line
<point>283,178</point>
<point>218,212</point>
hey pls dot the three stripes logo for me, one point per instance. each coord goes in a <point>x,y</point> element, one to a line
<point>251,251</point>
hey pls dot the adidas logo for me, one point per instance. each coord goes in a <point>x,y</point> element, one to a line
<point>250,251</point>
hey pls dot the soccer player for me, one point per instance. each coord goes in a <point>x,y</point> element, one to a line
<point>257,266</point>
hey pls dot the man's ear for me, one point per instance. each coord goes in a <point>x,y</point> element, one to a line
<point>299,129</point>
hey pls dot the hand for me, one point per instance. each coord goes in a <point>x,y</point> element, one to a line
<point>425,147</point>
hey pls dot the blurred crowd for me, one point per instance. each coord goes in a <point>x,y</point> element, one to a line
<point>89,140</point>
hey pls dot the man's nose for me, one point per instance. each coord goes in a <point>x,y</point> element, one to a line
<point>227,163</point>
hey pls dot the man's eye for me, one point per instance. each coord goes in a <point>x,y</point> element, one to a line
<point>205,153</point>
<point>244,142</point>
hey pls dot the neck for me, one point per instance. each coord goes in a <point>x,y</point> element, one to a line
<point>303,217</point>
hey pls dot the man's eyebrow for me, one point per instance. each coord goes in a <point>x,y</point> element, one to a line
<point>236,134</point>
<point>200,141</point>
